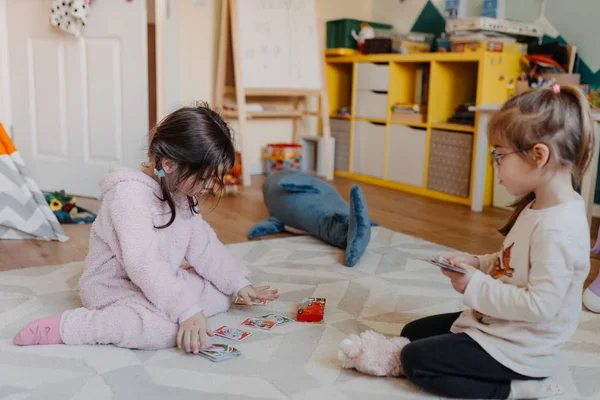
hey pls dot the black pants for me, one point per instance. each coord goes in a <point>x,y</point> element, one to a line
<point>452,365</point>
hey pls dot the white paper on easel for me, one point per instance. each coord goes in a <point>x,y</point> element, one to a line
<point>279,44</point>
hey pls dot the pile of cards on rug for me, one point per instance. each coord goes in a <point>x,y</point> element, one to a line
<point>221,351</point>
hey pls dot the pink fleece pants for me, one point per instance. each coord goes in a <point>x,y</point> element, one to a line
<point>133,322</point>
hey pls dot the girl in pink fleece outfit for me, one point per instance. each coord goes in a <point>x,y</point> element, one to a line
<point>134,291</point>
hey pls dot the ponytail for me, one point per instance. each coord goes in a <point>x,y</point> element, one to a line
<point>166,195</point>
<point>518,206</point>
<point>586,148</point>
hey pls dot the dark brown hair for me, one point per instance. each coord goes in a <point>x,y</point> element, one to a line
<point>561,121</point>
<point>201,144</point>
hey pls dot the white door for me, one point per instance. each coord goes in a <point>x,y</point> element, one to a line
<point>78,105</point>
<point>167,56</point>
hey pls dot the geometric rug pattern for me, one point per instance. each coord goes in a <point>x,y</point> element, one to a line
<point>386,289</point>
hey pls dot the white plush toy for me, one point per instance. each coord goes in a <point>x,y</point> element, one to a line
<point>372,353</point>
<point>70,15</point>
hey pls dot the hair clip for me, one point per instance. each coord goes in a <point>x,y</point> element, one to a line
<point>556,88</point>
<point>159,172</point>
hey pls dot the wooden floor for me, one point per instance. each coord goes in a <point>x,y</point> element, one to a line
<point>451,225</point>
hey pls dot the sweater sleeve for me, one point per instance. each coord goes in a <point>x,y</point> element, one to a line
<point>212,261</point>
<point>487,262</point>
<point>138,251</point>
<point>552,266</point>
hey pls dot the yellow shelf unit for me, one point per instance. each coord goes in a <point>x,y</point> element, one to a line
<point>453,127</point>
<point>383,149</point>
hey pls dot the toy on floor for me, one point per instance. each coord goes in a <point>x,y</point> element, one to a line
<point>232,181</point>
<point>283,157</point>
<point>311,309</point>
<point>300,202</point>
<point>63,206</point>
<point>372,353</point>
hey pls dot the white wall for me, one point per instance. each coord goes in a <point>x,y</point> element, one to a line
<point>576,23</point>
<point>355,9</point>
<point>5,112</point>
<point>198,46</point>
<point>170,30</point>
<point>401,15</point>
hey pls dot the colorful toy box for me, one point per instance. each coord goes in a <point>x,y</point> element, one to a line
<point>311,309</point>
<point>339,32</point>
<point>283,157</point>
<point>232,179</point>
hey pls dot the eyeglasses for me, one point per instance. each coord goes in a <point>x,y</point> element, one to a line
<point>497,156</point>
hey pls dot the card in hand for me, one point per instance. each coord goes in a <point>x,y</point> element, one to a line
<point>232,333</point>
<point>219,352</point>
<point>278,319</point>
<point>259,323</point>
<point>258,302</point>
<point>443,263</point>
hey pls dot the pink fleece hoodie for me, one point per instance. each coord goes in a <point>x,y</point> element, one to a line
<point>130,258</point>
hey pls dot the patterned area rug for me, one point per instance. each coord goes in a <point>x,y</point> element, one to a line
<point>387,289</point>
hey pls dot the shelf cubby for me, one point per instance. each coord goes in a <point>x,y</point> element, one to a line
<point>404,151</point>
<point>339,86</point>
<point>409,82</point>
<point>453,83</point>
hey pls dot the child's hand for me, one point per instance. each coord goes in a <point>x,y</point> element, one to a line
<point>456,259</point>
<point>460,281</point>
<point>191,334</point>
<point>250,293</point>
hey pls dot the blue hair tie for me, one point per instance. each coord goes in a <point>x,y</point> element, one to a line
<point>159,172</point>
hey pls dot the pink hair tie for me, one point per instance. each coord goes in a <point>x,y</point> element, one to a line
<point>556,88</point>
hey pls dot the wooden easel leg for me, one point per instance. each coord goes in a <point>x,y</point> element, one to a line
<point>324,103</point>
<point>224,39</point>
<point>299,121</point>
<point>327,136</point>
<point>240,94</point>
<point>241,104</point>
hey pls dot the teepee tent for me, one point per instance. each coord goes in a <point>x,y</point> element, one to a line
<point>24,212</point>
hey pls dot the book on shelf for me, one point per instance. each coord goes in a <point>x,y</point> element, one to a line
<point>462,115</point>
<point>409,108</point>
<point>426,71</point>
<point>410,113</point>
<point>412,118</point>
<point>257,107</point>
<point>422,84</point>
<point>480,37</point>
<point>250,107</point>
<point>419,86</point>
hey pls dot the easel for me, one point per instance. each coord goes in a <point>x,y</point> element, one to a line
<point>230,82</point>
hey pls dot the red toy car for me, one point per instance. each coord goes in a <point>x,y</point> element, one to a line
<point>311,309</point>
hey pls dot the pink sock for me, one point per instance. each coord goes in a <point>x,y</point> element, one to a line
<point>41,331</point>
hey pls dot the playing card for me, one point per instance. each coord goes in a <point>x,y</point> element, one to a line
<point>259,323</point>
<point>443,263</point>
<point>232,333</point>
<point>258,302</point>
<point>278,319</point>
<point>219,352</point>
